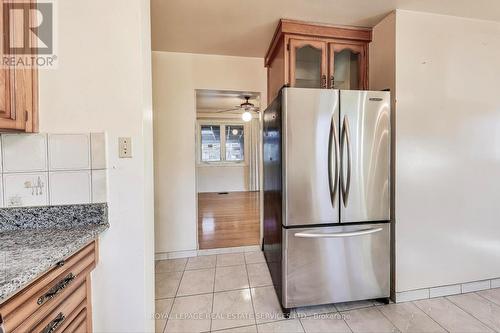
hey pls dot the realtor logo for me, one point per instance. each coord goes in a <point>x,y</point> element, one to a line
<point>28,36</point>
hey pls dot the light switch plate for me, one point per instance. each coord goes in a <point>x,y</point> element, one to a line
<point>125,147</point>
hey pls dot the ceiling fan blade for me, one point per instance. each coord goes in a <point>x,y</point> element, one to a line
<point>228,110</point>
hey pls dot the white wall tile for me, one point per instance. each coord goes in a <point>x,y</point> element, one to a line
<point>24,152</point>
<point>98,150</point>
<point>475,286</point>
<point>99,186</point>
<point>70,187</point>
<point>412,295</point>
<point>25,189</point>
<point>76,163</point>
<point>69,151</point>
<point>445,290</point>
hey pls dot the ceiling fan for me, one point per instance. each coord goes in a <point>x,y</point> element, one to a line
<point>246,106</point>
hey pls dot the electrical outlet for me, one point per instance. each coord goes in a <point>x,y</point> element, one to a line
<point>125,147</point>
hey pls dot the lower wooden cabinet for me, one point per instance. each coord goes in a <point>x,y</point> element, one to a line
<point>78,322</point>
<point>59,301</point>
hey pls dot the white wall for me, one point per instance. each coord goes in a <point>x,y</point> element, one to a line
<point>383,55</point>
<point>382,75</point>
<point>103,83</point>
<point>222,178</point>
<point>176,76</point>
<point>447,153</point>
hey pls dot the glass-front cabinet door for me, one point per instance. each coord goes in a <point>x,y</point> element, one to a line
<point>347,67</point>
<point>308,63</point>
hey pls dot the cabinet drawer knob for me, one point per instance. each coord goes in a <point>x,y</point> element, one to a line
<point>56,289</point>
<point>54,324</point>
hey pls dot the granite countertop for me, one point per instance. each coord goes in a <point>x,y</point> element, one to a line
<point>31,250</point>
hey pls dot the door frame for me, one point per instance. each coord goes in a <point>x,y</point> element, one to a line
<point>262,106</point>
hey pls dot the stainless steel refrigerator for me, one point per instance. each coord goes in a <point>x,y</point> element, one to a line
<point>327,195</point>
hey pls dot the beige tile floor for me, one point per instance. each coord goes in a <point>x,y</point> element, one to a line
<point>234,293</point>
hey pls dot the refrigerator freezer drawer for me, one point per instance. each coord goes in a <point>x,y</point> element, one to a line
<point>335,264</point>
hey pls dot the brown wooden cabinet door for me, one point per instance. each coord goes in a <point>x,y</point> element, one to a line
<point>6,74</point>
<point>18,86</point>
<point>5,94</point>
<point>308,59</point>
<point>347,66</point>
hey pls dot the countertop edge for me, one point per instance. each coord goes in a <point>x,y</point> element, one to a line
<point>13,287</point>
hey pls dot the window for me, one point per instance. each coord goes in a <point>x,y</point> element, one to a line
<point>210,143</point>
<point>235,142</point>
<point>222,143</point>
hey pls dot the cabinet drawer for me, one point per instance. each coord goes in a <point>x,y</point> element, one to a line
<point>51,289</point>
<point>82,328</point>
<point>76,321</point>
<point>52,321</point>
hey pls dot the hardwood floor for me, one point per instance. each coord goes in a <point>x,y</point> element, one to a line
<point>227,220</point>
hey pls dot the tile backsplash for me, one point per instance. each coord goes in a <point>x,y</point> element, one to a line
<point>53,169</point>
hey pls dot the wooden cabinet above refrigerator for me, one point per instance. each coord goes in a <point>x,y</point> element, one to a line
<point>311,55</point>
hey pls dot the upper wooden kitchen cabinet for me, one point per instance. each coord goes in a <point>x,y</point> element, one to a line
<point>309,55</point>
<point>18,84</point>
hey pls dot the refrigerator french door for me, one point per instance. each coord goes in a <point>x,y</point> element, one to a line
<point>365,156</point>
<point>336,151</point>
<point>311,156</point>
<point>326,195</point>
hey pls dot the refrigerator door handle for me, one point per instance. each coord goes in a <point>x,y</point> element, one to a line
<point>309,234</point>
<point>346,142</point>
<point>333,158</point>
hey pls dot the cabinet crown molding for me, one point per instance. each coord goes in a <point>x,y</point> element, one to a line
<point>319,30</point>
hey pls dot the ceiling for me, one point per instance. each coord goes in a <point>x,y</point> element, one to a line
<point>212,101</point>
<point>245,27</point>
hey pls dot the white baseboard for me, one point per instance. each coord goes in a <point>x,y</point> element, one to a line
<point>175,255</point>
<point>223,250</point>
<point>440,291</point>
<point>195,253</point>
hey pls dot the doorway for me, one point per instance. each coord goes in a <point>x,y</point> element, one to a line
<point>228,168</point>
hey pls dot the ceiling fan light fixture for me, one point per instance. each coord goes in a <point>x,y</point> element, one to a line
<point>246,116</point>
